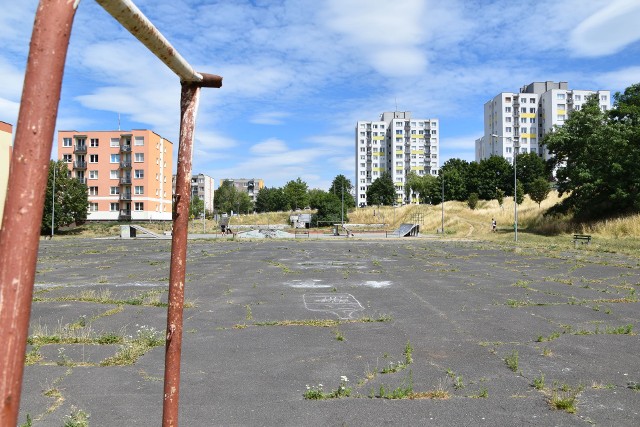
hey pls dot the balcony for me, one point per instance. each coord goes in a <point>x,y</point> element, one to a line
<point>125,148</point>
<point>82,180</point>
<point>79,165</point>
<point>125,196</point>
<point>80,148</point>
<point>125,165</point>
<point>125,215</point>
<point>125,181</point>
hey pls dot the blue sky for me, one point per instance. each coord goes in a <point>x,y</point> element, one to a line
<point>298,74</point>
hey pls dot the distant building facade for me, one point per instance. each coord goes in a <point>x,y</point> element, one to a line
<point>251,186</point>
<point>517,122</point>
<point>128,173</point>
<point>6,134</point>
<point>397,144</point>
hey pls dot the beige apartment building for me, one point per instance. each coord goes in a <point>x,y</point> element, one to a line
<point>128,173</point>
<point>6,133</point>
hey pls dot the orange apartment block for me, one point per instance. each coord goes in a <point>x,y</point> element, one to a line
<point>6,132</point>
<point>128,173</point>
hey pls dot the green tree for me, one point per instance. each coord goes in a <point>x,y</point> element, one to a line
<point>494,173</point>
<point>382,191</point>
<point>626,106</point>
<point>473,200</point>
<point>455,175</point>
<point>271,200</point>
<point>500,196</point>
<point>530,167</point>
<point>296,193</point>
<point>228,199</point>
<point>539,190</point>
<point>520,192</point>
<point>339,183</point>
<point>597,163</point>
<point>329,208</point>
<point>196,207</point>
<point>70,202</point>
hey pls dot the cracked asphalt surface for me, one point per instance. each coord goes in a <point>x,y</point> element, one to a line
<point>265,317</point>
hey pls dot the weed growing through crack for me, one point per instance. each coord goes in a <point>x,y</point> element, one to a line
<point>565,398</point>
<point>512,360</point>
<point>146,338</point>
<point>538,382</point>
<point>77,418</point>
<point>481,394</point>
<point>249,315</point>
<point>634,385</point>
<point>408,352</point>
<point>339,336</point>
<point>317,392</point>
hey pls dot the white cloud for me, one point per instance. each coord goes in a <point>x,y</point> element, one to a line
<point>333,140</point>
<point>618,80</point>
<point>271,145</point>
<point>270,118</point>
<point>607,31</point>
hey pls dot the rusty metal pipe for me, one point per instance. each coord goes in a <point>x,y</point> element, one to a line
<point>188,108</point>
<point>24,204</point>
<point>128,14</point>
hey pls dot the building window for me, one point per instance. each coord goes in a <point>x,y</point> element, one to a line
<point>93,158</point>
<point>66,142</point>
<point>114,207</point>
<point>138,140</point>
<point>603,97</point>
<point>524,100</point>
<point>507,109</point>
<point>114,142</point>
<point>67,158</point>
<point>139,173</point>
<point>94,142</point>
<point>507,130</point>
<point>139,189</point>
<point>577,97</point>
<point>139,157</point>
<point>114,190</point>
<point>560,96</point>
<point>93,207</point>
<point>114,174</point>
<point>433,132</point>
<point>561,116</point>
<point>532,100</point>
<point>115,158</point>
<point>561,106</point>
<point>508,119</point>
<point>93,191</point>
<point>93,174</point>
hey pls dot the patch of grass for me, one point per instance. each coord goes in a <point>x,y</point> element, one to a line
<point>512,360</point>
<point>634,385</point>
<point>553,336</point>
<point>248,315</point>
<point>77,418</point>
<point>481,394</point>
<point>339,336</point>
<point>565,398</point>
<point>318,393</point>
<point>146,338</point>
<point>408,352</point>
<point>538,382</point>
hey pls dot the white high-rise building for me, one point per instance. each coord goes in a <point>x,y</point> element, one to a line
<point>517,122</point>
<point>397,144</point>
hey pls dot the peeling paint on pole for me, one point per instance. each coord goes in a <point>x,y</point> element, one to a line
<point>188,109</point>
<point>24,204</point>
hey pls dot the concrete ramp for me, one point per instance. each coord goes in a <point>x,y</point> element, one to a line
<point>137,231</point>
<point>406,230</point>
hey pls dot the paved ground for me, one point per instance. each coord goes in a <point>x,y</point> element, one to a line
<point>251,346</point>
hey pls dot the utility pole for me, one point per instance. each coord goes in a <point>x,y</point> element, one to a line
<point>53,198</point>
<point>442,202</point>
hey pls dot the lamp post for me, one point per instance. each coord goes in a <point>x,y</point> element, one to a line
<point>442,175</point>
<point>515,186</point>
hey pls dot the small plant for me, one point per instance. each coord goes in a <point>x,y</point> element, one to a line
<point>546,352</point>
<point>408,351</point>
<point>63,359</point>
<point>342,390</point>
<point>633,385</point>
<point>458,384</point>
<point>538,382</point>
<point>28,423</point>
<point>249,315</point>
<point>314,392</point>
<point>338,334</point>
<point>482,393</point>
<point>565,398</point>
<point>77,418</point>
<point>512,361</point>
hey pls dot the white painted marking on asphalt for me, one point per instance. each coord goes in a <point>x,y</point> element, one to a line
<point>309,284</point>
<point>342,305</point>
<point>376,284</point>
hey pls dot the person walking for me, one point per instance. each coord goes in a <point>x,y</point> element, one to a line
<point>494,225</point>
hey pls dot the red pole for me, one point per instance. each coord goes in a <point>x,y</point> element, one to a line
<point>26,191</point>
<point>188,109</point>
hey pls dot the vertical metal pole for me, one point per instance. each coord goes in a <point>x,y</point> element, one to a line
<point>24,204</point>
<point>515,193</point>
<point>443,203</point>
<point>188,108</point>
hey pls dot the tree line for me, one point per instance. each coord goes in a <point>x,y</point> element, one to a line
<point>595,160</point>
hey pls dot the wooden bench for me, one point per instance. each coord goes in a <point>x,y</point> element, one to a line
<point>582,238</point>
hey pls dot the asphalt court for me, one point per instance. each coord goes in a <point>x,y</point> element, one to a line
<point>265,319</point>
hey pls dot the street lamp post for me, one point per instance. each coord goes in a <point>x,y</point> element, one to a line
<point>442,175</point>
<point>515,187</point>
<point>53,198</point>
